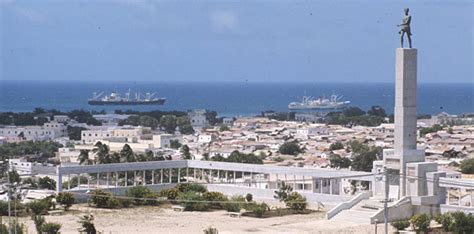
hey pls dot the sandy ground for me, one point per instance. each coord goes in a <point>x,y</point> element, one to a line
<point>163,220</point>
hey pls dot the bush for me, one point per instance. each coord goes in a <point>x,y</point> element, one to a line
<point>39,207</point>
<point>15,225</point>
<point>216,199</point>
<point>170,194</point>
<point>400,224</point>
<point>39,221</point>
<point>248,197</point>
<point>125,202</point>
<point>462,223</point>
<point>235,204</point>
<point>112,202</point>
<point>296,201</point>
<point>65,199</point>
<point>100,198</point>
<point>139,193</point>
<point>193,201</point>
<point>259,209</point>
<point>199,188</point>
<point>445,220</point>
<point>467,166</point>
<point>421,223</point>
<point>50,228</point>
<point>210,230</point>
<point>336,146</point>
<point>87,224</point>
<point>151,199</point>
<point>291,148</point>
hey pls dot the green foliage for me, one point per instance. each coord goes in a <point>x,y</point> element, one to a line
<point>467,166</point>
<point>47,183</point>
<point>123,202</point>
<point>296,201</point>
<point>235,203</point>
<point>184,125</point>
<point>224,128</point>
<point>216,199</point>
<point>291,148</point>
<point>199,188</point>
<point>42,148</point>
<point>14,176</point>
<point>421,222</point>
<point>238,157</point>
<point>19,227</point>
<point>32,182</point>
<point>84,157</point>
<point>258,209</point>
<point>39,207</point>
<point>102,152</point>
<point>74,182</point>
<point>400,224</point>
<point>169,193</point>
<point>377,111</point>
<point>249,197</point>
<point>363,156</point>
<point>168,123</point>
<point>66,199</point>
<point>39,221</point>
<point>87,224</point>
<point>113,202</point>
<point>456,222</point>
<point>431,129</point>
<point>126,154</point>
<point>174,144</point>
<point>283,192</point>
<point>353,111</point>
<point>185,153</point>
<point>140,193</point>
<point>15,204</point>
<point>337,161</point>
<point>336,146</point>
<point>74,133</point>
<point>192,201</point>
<point>211,117</point>
<point>100,198</point>
<point>50,228</point>
<point>148,121</point>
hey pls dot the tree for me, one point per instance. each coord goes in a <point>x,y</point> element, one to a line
<point>174,144</point>
<point>168,123</point>
<point>185,153</point>
<point>102,153</point>
<point>339,162</point>
<point>74,133</point>
<point>224,128</point>
<point>46,183</point>
<point>434,128</point>
<point>336,146</point>
<point>238,157</point>
<point>186,129</point>
<point>377,111</point>
<point>148,121</point>
<point>184,125</point>
<point>126,154</point>
<point>420,223</point>
<point>14,176</point>
<point>87,224</point>
<point>283,193</point>
<point>39,221</point>
<point>84,158</point>
<point>467,166</point>
<point>291,148</point>
<point>65,199</point>
<point>353,111</point>
<point>452,154</point>
<point>211,117</point>
<point>363,156</point>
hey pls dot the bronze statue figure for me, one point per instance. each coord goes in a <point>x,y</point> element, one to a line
<point>405,27</point>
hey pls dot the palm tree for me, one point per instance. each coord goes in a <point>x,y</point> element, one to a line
<point>127,154</point>
<point>84,158</point>
<point>102,152</point>
<point>185,153</point>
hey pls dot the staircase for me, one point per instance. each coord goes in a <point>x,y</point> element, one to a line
<point>361,212</point>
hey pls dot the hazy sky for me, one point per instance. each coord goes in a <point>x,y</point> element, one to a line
<point>259,40</point>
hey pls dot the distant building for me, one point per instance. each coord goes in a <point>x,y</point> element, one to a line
<point>198,119</point>
<point>61,118</point>
<point>309,117</point>
<point>48,131</point>
<point>164,140</point>
<point>92,136</point>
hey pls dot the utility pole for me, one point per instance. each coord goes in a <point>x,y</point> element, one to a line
<point>385,208</point>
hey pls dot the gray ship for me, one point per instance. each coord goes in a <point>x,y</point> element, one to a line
<point>115,99</point>
<point>321,103</point>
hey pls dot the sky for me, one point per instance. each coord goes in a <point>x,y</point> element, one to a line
<point>220,40</point>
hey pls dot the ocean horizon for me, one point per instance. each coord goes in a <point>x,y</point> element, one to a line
<point>229,98</point>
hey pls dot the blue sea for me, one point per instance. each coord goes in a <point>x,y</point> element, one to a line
<point>228,98</point>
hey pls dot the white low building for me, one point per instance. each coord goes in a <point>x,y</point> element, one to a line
<point>48,131</point>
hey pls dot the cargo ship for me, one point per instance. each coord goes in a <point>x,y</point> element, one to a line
<point>115,99</point>
<point>321,103</point>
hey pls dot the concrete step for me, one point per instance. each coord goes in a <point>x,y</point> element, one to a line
<point>354,216</point>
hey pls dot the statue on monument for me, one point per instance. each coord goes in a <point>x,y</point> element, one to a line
<point>405,28</point>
